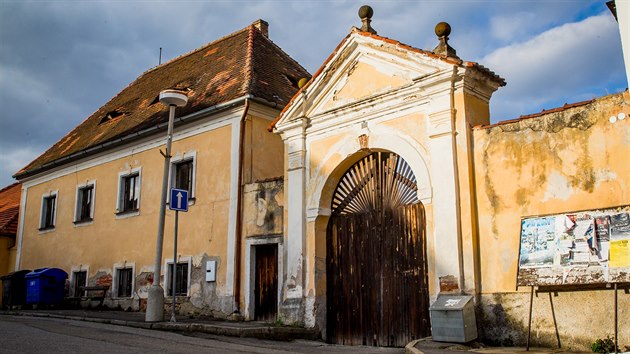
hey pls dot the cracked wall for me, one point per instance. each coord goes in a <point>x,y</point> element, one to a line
<point>568,159</point>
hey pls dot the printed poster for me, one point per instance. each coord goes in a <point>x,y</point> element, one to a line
<point>620,226</point>
<point>538,242</point>
<point>619,254</point>
<point>602,229</point>
<point>592,242</point>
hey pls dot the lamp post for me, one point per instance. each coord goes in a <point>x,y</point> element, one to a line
<point>155,301</point>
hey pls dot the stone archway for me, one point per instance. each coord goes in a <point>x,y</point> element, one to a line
<point>376,266</point>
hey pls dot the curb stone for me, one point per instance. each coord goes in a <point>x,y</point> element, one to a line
<point>261,332</point>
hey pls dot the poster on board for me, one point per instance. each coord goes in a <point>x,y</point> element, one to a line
<point>575,248</point>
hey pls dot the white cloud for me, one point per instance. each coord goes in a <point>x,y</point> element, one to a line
<point>507,28</point>
<point>12,160</point>
<point>564,63</point>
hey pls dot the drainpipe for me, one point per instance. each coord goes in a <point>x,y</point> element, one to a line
<point>475,213</point>
<point>458,208</point>
<point>239,210</point>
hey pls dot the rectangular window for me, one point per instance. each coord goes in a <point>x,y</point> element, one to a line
<point>125,282</point>
<point>80,279</point>
<point>129,199</point>
<point>184,175</point>
<point>85,204</point>
<point>48,212</point>
<point>181,282</point>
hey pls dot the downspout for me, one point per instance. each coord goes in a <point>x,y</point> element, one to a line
<point>239,210</point>
<point>20,233</point>
<point>458,208</point>
<point>475,213</point>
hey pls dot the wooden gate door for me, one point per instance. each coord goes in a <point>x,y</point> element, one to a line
<point>266,287</point>
<point>377,291</point>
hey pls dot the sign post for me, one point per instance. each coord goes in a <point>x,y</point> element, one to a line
<point>179,202</point>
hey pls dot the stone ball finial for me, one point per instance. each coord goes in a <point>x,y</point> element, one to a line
<point>442,29</point>
<point>365,11</point>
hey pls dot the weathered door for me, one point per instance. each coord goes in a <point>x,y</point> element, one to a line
<point>377,291</point>
<point>266,287</point>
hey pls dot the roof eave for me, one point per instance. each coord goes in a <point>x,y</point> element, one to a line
<point>125,139</point>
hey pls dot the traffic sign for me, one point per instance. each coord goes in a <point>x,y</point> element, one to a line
<point>179,200</point>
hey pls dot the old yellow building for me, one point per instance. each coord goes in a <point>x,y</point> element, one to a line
<point>90,203</point>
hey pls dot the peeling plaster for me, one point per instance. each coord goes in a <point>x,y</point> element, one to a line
<point>558,187</point>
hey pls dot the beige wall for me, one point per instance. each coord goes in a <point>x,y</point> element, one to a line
<point>571,160</point>
<point>263,151</point>
<point>113,238</point>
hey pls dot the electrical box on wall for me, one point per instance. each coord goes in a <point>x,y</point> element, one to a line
<point>211,270</point>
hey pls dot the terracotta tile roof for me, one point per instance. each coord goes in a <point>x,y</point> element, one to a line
<point>482,69</point>
<point>10,209</point>
<point>243,63</point>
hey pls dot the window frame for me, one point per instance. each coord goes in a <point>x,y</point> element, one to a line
<point>43,211</point>
<point>190,156</point>
<point>73,280</point>
<point>122,176</point>
<point>78,207</point>
<point>168,277</point>
<point>116,279</point>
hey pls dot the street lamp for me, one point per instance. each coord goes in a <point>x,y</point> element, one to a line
<point>155,301</point>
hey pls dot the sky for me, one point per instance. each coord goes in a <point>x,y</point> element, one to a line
<point>61,60</point>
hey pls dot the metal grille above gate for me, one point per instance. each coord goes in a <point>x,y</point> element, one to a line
<point>377,290</point>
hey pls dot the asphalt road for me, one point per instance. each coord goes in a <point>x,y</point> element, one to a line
<point>48,335</point>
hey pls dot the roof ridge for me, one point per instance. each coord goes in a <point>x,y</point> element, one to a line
<point>249,70</point>
<point>233,34</point>
<point>9,187</point>
<point>133,82</point>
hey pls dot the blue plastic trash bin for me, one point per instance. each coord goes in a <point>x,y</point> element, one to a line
<point>45,286</point>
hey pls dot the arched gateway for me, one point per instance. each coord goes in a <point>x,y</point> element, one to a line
<point>377,292</point>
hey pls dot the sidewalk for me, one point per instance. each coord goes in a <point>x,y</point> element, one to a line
<point>254,329</point>
<point>427,346</point>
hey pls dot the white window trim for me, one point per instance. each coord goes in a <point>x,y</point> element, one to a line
<point>178,158</point>
<point>77,222</point>
<point>80,268</point>
<point>117,267</point>
<point>119,213</point>
<point>41,211</point>
<point>167,278</point>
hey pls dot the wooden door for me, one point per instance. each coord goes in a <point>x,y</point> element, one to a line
<point>266,287</point>
<point>377,291</point>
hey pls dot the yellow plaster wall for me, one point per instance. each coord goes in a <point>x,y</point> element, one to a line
<point>561,162</point>
<point>5,255</point>
<point>363,80</point>
<point>263,151</point>
<point>108,239</point>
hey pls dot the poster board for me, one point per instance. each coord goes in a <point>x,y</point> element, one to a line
<point>585,247</point>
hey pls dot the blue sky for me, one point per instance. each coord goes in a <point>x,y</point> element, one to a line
<point>61,60</point>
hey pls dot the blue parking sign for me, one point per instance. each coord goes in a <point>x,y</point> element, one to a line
<point>179,200</point>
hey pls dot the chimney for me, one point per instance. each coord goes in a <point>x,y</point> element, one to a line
<point>262,26</point>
